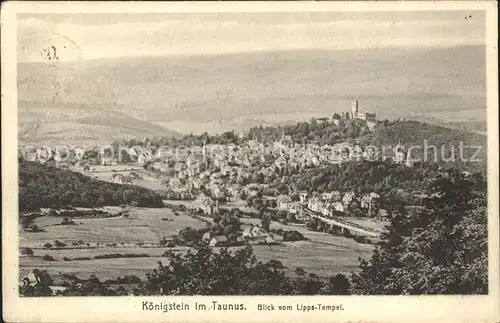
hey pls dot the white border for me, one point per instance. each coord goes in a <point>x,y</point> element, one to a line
<point>128,309</point>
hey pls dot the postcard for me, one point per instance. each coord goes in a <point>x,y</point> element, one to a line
<point>250,162</point>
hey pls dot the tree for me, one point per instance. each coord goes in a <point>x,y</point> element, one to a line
<point>338,285</point>
<point>439,250</point>
<point>291,217</point>
<point>48,258</point>
<point>66,221</point>
<point>265,222</point>
<point>34,228</point>
<point>207,273</point>
<point>59,244</point>
<point>27,252</point>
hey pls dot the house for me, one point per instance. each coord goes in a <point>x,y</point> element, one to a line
<point>294,207</point>
<point>348,198</point>
<point>370,154</point>
<point>121,179</point>
<point>57,290</point>
<point>37,277</point>
<point>144,157</point>
<point>315,204</point>
<point>303,196</point>
<point>284,202</point>
<point>254,231</point>
<point>331,196</point>
<point>301,216</point>
<point>241,240</point>
<point>270,241</point>
<point>326,210</point>
<point>133,152</point>
<point>369,201</point>
<point>30,156</point>
<point>206,237</point>
<point>399,157</point>
<point>62,164</point>
<point>338,206</point>
<point>219,241</point>
<point>45,154</point>
<point>371,125</point>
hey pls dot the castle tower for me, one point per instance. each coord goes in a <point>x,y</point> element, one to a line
<point>355,109</point>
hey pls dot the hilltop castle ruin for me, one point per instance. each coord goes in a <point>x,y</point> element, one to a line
<point>355,114</point>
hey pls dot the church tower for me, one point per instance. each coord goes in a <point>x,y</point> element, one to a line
<point>355,109</point>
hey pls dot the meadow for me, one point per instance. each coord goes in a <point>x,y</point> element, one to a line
<point>322,254</point>
<point>142,225</point>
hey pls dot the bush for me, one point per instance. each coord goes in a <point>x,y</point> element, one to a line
<point>48,245</point>
<point>293,236</point>
<point>48,258</point>
<point>299,271</point>
<point>67,221</point>
<point>128,280</point>
<point>66,259</point>
<point>81,258</point>
<point>360,239</point>
<point>119,255</point>
<point>59,244</point>
<point>27,251</point>
<point>33,228</point>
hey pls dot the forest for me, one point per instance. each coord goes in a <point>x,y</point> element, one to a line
<point>43,186</point>
<point>360,176</point>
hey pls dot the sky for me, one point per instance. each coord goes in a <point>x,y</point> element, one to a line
<point>97,36</point>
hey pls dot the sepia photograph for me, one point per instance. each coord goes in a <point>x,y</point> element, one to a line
<point>245,150</point>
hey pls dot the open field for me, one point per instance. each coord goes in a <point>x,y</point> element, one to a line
<point>369,223</point>
<point>326,255</point>
<point>102,268</point>
<point>104,173</point>
<point>323,254</point>
<point>143,225</point>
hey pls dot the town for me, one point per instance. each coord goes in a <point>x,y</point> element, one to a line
<point>244,191</point>
<point>214,174</point>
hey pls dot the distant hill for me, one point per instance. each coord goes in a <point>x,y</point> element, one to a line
<point>414,133</point>
<point>56,123</point>
<point>237,91</point>
<point>50,187</point>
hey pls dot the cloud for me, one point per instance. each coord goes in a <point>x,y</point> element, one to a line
<point>201,35</point>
